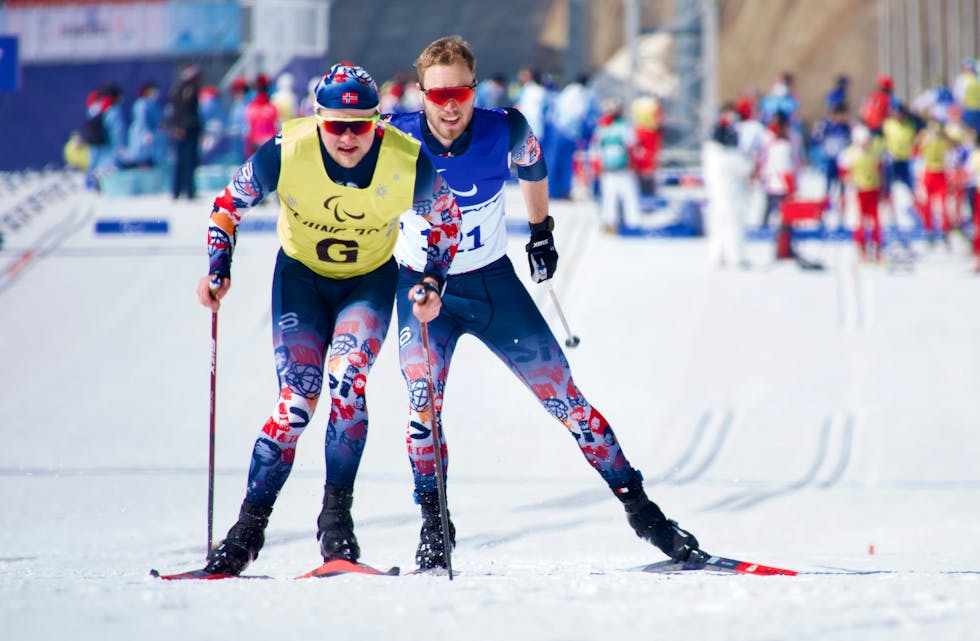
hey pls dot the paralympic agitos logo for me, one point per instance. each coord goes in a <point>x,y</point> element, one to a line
<point>340,215</point>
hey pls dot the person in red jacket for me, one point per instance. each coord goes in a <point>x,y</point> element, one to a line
<point>262,117</point>
<point>877,104</point>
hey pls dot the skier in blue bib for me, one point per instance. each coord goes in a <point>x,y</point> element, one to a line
<point>482,295</point>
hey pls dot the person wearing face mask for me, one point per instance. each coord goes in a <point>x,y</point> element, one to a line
<point>342,180</point>
<point>472,149</point>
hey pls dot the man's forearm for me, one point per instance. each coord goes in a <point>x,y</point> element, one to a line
<point>536,199</point>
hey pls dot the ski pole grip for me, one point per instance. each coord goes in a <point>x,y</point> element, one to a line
<point>420,291</point>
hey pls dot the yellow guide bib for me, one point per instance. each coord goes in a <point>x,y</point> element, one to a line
<point>971,94</point>
<point>934,150</point>
<point>899,138</point>
<point>865,169</point>
<point>338,231</point>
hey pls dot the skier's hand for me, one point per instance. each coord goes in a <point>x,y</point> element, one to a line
<point>542,257</point>
<point>211,289</point>
<point>427,299</point>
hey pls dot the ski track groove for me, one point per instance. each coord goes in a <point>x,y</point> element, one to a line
<point>720,433</point>
<point>841,426</point>
<point>49,241</point>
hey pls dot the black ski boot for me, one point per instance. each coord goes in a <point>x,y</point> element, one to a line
<point>335,527</point>
<point>651,525</point>
<point>431,552</point>
<point>242,545</point>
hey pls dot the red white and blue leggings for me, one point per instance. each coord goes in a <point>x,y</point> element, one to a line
<point>492,304</point>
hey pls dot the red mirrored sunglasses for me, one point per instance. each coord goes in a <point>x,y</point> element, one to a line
<point>357,126</point>
<point>442,95</point>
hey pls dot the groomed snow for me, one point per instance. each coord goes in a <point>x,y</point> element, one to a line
<point>822,421</point>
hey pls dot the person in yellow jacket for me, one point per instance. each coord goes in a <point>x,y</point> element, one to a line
<point>862,166</point>
<point>933,148</point>
<point>76,152</point>
<point>343,181</point>
<point>898,136</point>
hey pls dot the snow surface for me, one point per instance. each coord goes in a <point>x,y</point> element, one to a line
<point>822,421</point>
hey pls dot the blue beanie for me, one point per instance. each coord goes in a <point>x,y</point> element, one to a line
<point>346,86</point>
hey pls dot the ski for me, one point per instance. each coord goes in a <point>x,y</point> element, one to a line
<point>328,569</point>
<point>341,566</point>
<point>717,564</point>
<point>200,575</point>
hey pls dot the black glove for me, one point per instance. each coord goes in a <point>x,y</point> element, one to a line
<point>542,257</point>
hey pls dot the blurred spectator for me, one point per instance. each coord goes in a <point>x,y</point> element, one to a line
<point>899,132</point>
<point>861,163</point>
<point>284,97</point>
<point>213,122</point>
<point>726,181</point>
<point>934,102</point>
<point>572,119</point>
<point>647,114</point>
<point>611,142</point>
<point>778,170</point>
<point>966,91</point>
<point>147,143</point>
<point>491,93</point>
<point>956,172</point>
<point>104,131</point>
<point>780,100</point>
<point>262,117</point>
<point>833,134</point>
<point>877,104</point>
<point>76,152</point>
<point>532,101</point>
<point>236,127</point>
<point>838,95</point>
<point>392,93</point>
<point>969,172</point>
<point>973,167</point>
<point>185,129</point>
<point>411,98</point>
<point>934,147</point>
<point>307,101</point>
<point>747,104</point>
<point>751,132</point>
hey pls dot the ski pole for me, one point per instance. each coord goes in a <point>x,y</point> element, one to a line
<point>436,446</point>
<point>571,340</point>
<point>215,284</point>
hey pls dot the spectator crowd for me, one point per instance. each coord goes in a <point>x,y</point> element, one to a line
<point>881,158</point>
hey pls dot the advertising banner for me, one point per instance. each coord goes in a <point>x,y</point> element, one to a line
<point>54,32</point>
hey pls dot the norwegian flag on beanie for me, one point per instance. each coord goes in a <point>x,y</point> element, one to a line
<point>346,86</point>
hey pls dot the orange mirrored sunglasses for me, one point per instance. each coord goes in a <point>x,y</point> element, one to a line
<point>442,95</point>
<point>357,126</point>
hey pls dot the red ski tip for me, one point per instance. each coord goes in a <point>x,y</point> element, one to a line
<point>341,566</point>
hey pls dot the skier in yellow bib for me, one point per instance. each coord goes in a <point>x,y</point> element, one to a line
<point>343,180</point>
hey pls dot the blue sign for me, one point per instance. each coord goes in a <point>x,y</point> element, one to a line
<point>9,64</point>
<point>129,227</point>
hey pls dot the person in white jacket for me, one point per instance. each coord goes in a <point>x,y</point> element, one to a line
<point>726,179</point>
